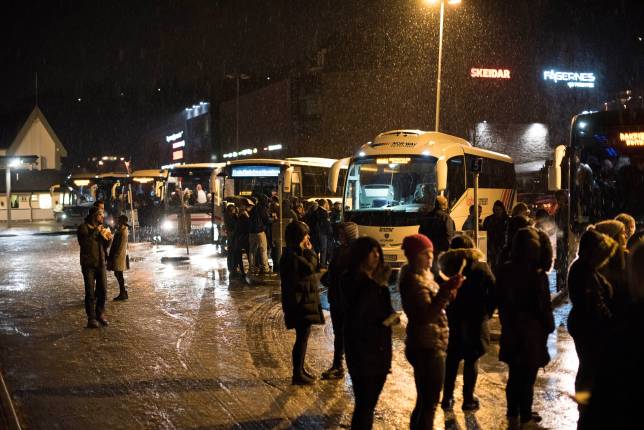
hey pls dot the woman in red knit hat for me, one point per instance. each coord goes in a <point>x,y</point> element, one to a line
<point>424,302</point>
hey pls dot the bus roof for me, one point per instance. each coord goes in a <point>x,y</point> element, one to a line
<point>296,161</point>
<point>149,173</point>
<point>172,167</point>
<point>419,142</point>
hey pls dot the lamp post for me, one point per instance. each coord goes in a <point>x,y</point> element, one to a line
<point>237,77</point>
<point>17,162</point>
<point>440,56</point>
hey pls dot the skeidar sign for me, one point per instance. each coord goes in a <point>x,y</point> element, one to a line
<point>476,72</point>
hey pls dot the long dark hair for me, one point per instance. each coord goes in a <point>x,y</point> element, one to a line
<point>360,249</point>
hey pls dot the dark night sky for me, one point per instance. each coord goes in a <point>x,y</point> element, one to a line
<point>116,55</point>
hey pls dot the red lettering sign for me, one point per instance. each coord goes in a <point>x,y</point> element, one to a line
<point>476,72</point>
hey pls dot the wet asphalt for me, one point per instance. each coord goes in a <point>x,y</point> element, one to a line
<point>192,349</point>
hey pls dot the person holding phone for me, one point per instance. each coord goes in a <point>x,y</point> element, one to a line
<point>300,294</point>
<point>424,302</point>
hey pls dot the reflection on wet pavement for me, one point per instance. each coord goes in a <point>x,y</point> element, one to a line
<point>193,349</point>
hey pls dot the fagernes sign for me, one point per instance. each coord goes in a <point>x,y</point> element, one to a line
<point>572,79</point>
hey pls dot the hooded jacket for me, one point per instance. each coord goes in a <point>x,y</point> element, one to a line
<point>469,312</point>
<point>590,292</point>
<point>525,310</point>
<point>424,303</point>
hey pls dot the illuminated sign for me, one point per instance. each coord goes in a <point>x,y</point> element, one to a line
<point>572,79</point>
<point>255,171</point>
<point>393,160</point>
<point>490,73</point>
<point>174,136</point>
<point>179,144</point>
<point>632,139</point>
<point>177,155</point>
<point>246,151</point>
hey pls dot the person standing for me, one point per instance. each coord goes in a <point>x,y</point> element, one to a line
<point>322,231</point>
<point>347,232</point>
<point>439,227</point>
<point>300,294</point>
<point>202,199</point>
<point>94,239</point>
<point>526,317</point>
<point>468,315</point>
<point>495,225</point>
<point>366,303</point>
<point>424,302</point>
<point>591,315</point>
<point>259,219</point>
<point>117,260</point>
<point>470,222</point>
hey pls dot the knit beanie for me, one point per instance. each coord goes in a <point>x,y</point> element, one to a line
<point>596,248</point>
<point>414,244</point>
<point>611,228</point>
<point>350,230</point>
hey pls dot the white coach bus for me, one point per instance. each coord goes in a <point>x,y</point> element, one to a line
<point>395,178</point>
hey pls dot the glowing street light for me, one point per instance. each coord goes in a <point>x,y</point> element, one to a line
<point>440,55</point>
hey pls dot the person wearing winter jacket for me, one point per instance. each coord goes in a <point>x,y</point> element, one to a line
<point>117,260</point>
<point>258,241</point>
<point>495,225</point>
<point>525,312</point>
<point>591,316</point>
<point>468,315</point>
<point>300,294</point>
<point>366,303</point>
<point>424,302</point>
<point>438,226</point>
<point>347,232</point>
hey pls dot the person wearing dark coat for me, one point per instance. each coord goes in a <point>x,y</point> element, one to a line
<point>495,225</point>
<point>525,312</point>
<point>259,219</point>
<point>424,302</point>
<point>515,223</point>
<point>366,303</point>
<point>322,231</point>
<point>616,398</point>
<point>300,294</point>
<point>241,241</point>
<point>117,260</point>
<point>439,227</point>
<point>347,232</point>
<point>468,315</point>
<point>94,239</point>
<point>230,219</point>
<point>591,317</point>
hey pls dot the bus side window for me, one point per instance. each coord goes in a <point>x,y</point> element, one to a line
<point>455,179</point>
<point>296,185</point>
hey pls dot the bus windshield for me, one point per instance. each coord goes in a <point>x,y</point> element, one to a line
<point>607,168</point>
<point>195,184</point>
<point>378,188</point>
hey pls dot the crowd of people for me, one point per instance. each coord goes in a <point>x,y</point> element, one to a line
<point>449,292</point>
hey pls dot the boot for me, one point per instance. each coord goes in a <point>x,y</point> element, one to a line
<point>101,319</point>
<point>92,323</point>
<point>302,380</point>
<point>333,373</point>
<point>122,294</point>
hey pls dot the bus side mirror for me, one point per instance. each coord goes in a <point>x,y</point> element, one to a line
<point>554,171</point>
<point>441,175</point>
<point>334,173</point>
<point>288,173</point>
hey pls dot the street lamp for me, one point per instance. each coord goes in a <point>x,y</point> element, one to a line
<point>440,55</point>
<point>14,162</point>
<point>237,77</point>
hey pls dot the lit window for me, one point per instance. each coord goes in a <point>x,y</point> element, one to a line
<point>44,200</point>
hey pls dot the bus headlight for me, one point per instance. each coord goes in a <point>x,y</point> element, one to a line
<point>63,216</point>
<point>166,225</point>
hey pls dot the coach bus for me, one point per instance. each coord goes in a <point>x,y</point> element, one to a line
<point>601,169</point>
<point>187,197</point>
<point>393,179</point>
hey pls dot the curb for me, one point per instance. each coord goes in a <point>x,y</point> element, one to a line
<point>45,233</point>
<point>8,411</point>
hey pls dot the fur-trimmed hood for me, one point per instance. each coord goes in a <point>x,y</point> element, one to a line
<point>451,260</point>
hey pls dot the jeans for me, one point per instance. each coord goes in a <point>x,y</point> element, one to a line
<point>258,250</point>
<point>323,248</point>
<point>429,372</point>
<point>120,279</point>
<point>276,254</point>
<point>366,390</point>
<point>95,280</point>
<point>470,374</point>
<point>302,332</point>
<point>519,391</point>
